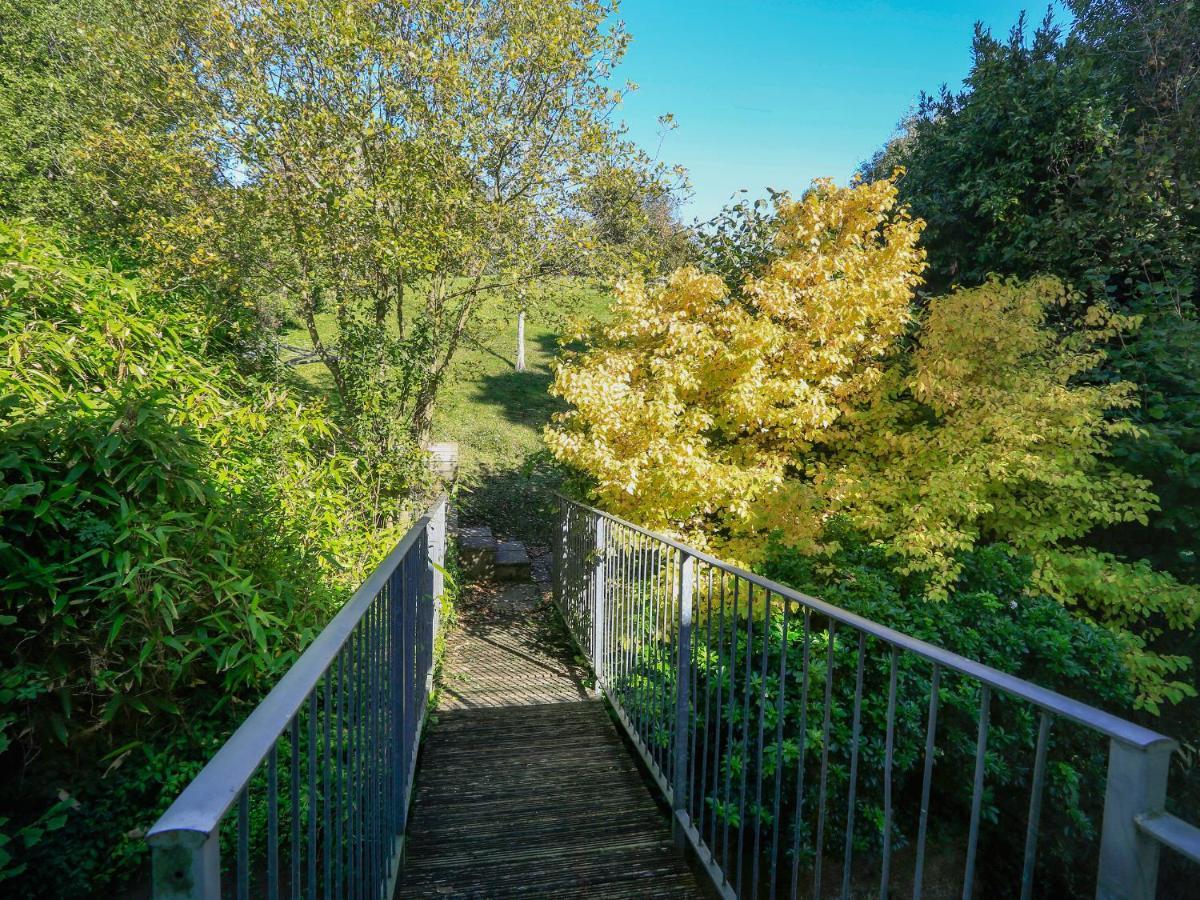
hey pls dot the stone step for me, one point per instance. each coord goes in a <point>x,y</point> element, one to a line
<point>512,562</point>
<point>477,551</point>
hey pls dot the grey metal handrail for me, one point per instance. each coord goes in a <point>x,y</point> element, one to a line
<point>1097,719</point>
<point>361,689</point>
<point>633,600</point>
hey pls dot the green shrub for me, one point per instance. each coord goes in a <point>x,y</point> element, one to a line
<point>989,618</point>
<point>171,536</point>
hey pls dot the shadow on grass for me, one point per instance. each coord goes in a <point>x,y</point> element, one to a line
<point>523,398</point>
<point>516,502</point>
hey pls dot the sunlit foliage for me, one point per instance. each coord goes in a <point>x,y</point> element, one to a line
<point>819,388</point>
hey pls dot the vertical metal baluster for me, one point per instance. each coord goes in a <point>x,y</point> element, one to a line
<point>985,699</point>
<point>646,693</point>
<point>578,583</point>
<point>610,607</point>
<point>411,661</point>
<point>400,676</point>
<point>633,610</point>
<point>745,753</point>
<point>620,607</point>
<point>660,685</point>
<point>396,701</point>
<point>327,780</point>
<point>412,597</point>
<point>340,806</point>
<point>294,797</point>
<point>654,646</point>
<point>243,844</point>
<point>1035,806</point>
<point>371,794</point>
<point>927,778</point>
<point>666,671</point>
<point>629,694</point>
<point>358,712</point>
<point>889,747</point>
<point>758,764</point>
<point>379,756</point>
<point>383,781</point>
<point>600,658</point>
<point>627,657</point>
<point>798,826</point>
<point>593,597</point>
<point>694,705</point>
<point>683,591</point>
<point>621,610</point>
<point>733,626</point>
<point>312,795</point>
<point>673,667</point>
<point>348,750</point>
<point>619,602</point>
<point>637,683</point>
<point>383,668</point>
<point>387,732</point>
<point>855,735</point>
<point>714,818</point>
<point>371,760</point>
<point>633,627</point>
<point>273,822</point>
<point>708,670</point>
<point>819,846</point>
<point>780,708</point>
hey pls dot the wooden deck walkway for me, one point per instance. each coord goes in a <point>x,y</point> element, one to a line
<point>524,787</point>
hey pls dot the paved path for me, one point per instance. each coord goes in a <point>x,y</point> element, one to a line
<point>524,787</point>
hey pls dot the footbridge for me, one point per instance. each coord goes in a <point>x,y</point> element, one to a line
<point>660,724</point>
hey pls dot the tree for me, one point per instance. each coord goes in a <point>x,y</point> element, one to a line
<point>1075,155</point>
<point>818,389</point>
<point>402,162</point>
<point>691,404</point>
<point>104,133</point>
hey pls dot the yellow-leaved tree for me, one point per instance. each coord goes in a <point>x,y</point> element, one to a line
<point>693,406</point>
<point>818,388</point>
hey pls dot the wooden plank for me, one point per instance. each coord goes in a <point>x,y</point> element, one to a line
<point>524,787</point>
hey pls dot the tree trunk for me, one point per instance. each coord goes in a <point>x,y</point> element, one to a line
<point>521,340</point>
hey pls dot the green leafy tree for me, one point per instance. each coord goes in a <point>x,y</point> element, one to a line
<point>1075,155</point>
<point>401,163</point>
<point>171,536</point>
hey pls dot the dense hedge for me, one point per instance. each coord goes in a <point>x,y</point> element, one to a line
<point>171,535</point>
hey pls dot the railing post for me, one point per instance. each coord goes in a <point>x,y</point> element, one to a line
<point>436,542</point>
<point>683,690</point>
<point>600,552</point>
<point>558,558</point>
<point>1137,786</point>
<point>185,865</point>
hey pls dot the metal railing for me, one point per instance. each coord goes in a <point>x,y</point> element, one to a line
<point>736,692</point>
<point>326,759</point>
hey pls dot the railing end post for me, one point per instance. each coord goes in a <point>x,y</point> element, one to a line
<point>599,589</point>
<point>685,585</point>
<point>185,865</point>
<point>1136,786</point>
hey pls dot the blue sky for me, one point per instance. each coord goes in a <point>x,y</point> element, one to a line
<point>775,93</point>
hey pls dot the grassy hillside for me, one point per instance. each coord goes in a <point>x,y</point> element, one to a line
<point>495,413</point>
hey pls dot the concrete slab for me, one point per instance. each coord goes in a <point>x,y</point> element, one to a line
<point>512,562</point>
<point>477,551</point>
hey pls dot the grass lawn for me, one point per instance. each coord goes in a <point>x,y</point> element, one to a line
<point>495,413</point>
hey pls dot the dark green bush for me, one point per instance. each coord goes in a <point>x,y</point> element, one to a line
<point>989,618</point>
<point>171,536</point>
